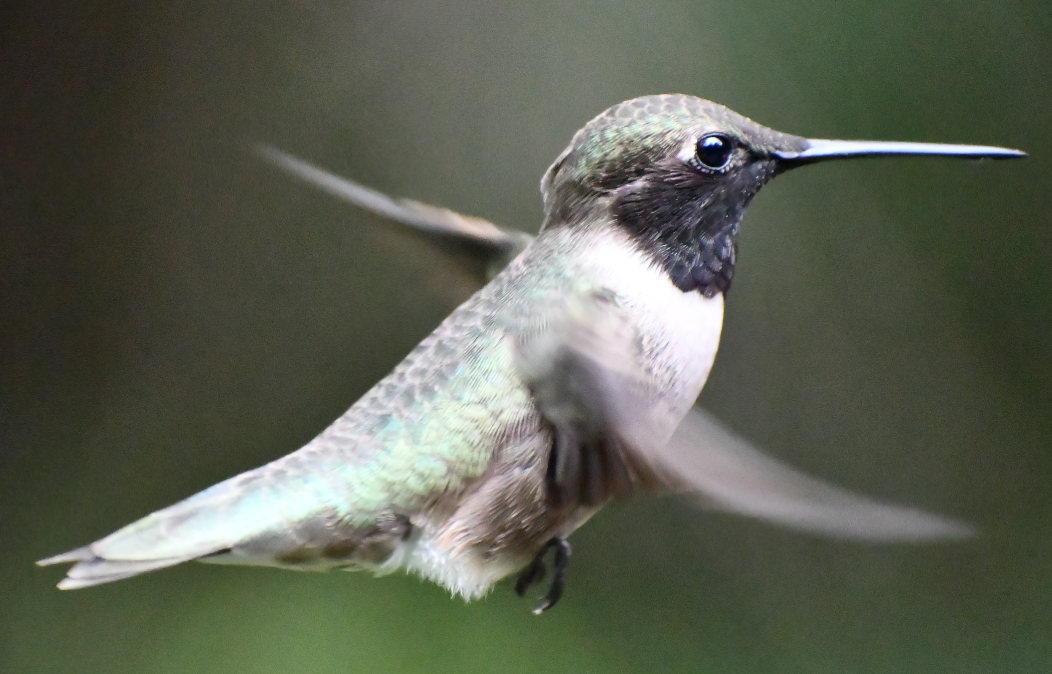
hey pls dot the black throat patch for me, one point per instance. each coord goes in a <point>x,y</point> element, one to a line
<point>688,220</point>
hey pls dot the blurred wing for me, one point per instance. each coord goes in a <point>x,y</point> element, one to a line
<point>493,246</point>
<point>612,436</point>
<point>731,475</point>
<point>581,368</point>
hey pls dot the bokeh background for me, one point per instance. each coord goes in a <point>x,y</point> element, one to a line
<point>173,311</point>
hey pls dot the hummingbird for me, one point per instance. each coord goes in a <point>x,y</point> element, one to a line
<point>566,382</point>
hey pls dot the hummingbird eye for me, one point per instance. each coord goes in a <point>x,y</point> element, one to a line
<point>714,151</point>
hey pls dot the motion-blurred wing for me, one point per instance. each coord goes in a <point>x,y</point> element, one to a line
<point>494,246</point>
<point>582,369</point>
<point>731,475</point>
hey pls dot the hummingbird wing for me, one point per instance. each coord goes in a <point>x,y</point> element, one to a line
<point>582,373</point>
<point>727,473</point>
<point>451,231</point>
<point>581,370</point>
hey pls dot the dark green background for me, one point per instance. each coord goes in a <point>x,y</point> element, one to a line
<point>172,311</point>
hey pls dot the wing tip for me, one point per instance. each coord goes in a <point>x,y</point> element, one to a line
<point>874,522</point>
<point>946,529</point>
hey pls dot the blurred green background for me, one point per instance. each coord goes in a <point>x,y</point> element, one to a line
<point>173,311</point>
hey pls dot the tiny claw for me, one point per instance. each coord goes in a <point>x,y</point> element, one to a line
<point>535,572</point>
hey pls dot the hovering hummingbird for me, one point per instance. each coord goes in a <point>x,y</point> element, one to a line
<point>566,382</point>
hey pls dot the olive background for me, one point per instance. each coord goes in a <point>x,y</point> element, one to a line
<point>174,311</point>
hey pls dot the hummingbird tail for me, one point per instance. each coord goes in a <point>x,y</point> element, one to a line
<point>212,521</point>
<point>270,516</point>
<point>92,570</point>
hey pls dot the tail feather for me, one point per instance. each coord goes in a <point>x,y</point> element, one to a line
<point>83,554</point>
<point>261,517</point>
<point>214,520</point>
<point>97,571</point>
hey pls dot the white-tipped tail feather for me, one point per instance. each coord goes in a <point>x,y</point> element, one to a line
<point>212,521</point>
<point>92,570</point>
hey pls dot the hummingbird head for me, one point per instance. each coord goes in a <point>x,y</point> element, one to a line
<point>677,172</point>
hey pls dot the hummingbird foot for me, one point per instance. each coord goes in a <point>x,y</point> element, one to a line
<point>531,575</point>
<point>535,572</point>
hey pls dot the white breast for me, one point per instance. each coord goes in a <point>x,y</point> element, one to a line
<point>683,329</point>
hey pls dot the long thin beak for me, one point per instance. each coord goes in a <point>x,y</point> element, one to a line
<point>819,150</point>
